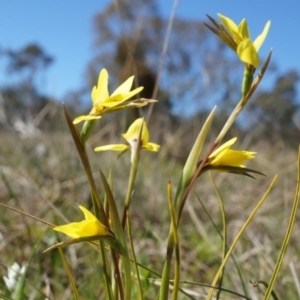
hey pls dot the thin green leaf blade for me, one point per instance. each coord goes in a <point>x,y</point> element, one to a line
<point>70,275</point>
<point>191,163</point>
<point>287,236</point>
<point>218,273</point>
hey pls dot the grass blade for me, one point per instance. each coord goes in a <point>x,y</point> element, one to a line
<point>287,236</point>
<point>86,164</point>
<point>70,275</point>
<point>210,292</point>
<point>118,230</point>
<point>186,176</point>
<point>134,257</point>
<point>220,234</point>
<point>224,234</point>
<point>176,243</point>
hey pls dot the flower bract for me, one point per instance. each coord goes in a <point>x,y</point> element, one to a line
<point>132,136</point>
<point>91,226</point>
<point>103,102</point>
<point>224,156</point>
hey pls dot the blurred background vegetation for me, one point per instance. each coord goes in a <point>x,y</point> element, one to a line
<point>41,173</point>
<point>126,45</point>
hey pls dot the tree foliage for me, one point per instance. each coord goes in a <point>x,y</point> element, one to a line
<point>30,59</point>
<point>129,39</point>
<point>22,98</point>
<point>276,110</point>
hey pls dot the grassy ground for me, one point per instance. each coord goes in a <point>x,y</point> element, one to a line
<point>43,176</point>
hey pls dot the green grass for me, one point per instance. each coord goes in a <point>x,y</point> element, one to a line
<point>52,185</point>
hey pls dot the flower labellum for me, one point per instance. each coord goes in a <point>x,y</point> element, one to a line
<point>132,136</point>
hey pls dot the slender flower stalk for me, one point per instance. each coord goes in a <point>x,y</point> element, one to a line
<point>137,138</point>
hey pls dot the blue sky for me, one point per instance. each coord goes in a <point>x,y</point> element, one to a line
<point>64,29</point>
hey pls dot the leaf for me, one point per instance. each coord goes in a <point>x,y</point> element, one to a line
<point>112,241</point>
<point>86,164</point>
<point>191,163</point>
<point>118,230</point>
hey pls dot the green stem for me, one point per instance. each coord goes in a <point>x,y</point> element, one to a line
<point>80,146</point>
<point>176,244</point>
<point>235,113</point>
<point>224,243</point>
<point>133,171</point>
<point>117,226</point>
<point>97,204</point>
<point>164,288</point>
<point>134,257</point>
<point>109,292</point>
<point>86,130</point>
<point>187,179</point>
<point>247,80</point>
<point>132,176</point>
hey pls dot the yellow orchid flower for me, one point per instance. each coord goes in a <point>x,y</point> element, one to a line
<point>245,48</point>
<point>131,136</point>
<point>103,102</point>
<point>224,156</point>
<point>237,37</point>
<point>89,227</point>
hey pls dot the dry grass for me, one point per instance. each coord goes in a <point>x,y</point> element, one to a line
<point>43,177</point>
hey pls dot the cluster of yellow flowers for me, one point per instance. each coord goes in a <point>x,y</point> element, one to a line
<point>237,37</point>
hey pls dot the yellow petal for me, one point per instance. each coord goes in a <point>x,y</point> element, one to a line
<point>69,229</point>
<point>116,147</point>
<point>85,118</point>
<point>86,228</point>
<point>87,214</point>
<point>145,135</point>
<point>243,29</point>
<point>133,131</point>
<point>232,158</point>
<point>91,228</point>
<point>100,92</point>
<point>229,24</point>
<point>223,147</point>
<point>120,98</point>
<point>247,53</point>
<point>261,38</point>
<point>132,135</point>
<point>82,229</point>
<point>124,87</point>
<point>152,147</point>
